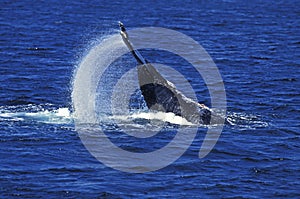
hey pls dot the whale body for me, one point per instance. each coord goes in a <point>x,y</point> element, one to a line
<point>160,94</point>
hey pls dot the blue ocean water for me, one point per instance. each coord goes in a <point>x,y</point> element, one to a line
<point>255,45</point>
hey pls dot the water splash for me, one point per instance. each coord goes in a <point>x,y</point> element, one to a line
<point>246,120</point>
<point>154,116</point>
<point>37,113</point>
<point>85,84</point>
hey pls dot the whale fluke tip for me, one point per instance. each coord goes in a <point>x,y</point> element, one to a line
<point>121,25</point>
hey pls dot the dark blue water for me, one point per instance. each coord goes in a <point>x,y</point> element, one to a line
<point>256,46</point>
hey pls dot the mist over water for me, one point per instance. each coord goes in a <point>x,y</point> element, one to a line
<point>88,75</point>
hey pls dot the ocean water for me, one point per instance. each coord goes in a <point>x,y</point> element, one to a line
<point>256,46</point>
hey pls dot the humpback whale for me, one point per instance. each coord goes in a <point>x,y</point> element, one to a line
<point>160,94</point>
